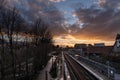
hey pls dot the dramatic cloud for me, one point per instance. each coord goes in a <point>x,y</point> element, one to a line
<point>37,8</point>
<point>114,4</point>
<point>56,1</point>
<point>101,22</point>
<point>33,9</point>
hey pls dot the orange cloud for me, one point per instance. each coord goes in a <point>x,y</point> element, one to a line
<point>69,40</point>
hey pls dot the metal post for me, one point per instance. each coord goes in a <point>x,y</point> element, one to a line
<point>52,61</point>
<point>46,75</point>
<point>108,69</point>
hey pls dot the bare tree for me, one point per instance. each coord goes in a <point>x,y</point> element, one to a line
<point>11,20</point>
<point>2,40</point>
<point>42,39</point>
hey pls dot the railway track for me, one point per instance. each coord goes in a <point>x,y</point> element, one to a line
<point>77,72</point>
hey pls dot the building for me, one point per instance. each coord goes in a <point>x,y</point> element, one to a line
<point>79,46</point>
<point>99,44</point>
<point>82,48</point>
<point>99,50</point>
<point>116,48</point>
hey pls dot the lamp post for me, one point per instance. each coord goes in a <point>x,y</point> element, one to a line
<point>52,61</point>
<point>46,75</point>
<point>108,65</point>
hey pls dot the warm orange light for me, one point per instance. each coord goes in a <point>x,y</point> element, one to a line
<point>69,40</point>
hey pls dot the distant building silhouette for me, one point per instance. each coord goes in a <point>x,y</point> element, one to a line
<point>116,48</point>
<point>99,48</point>
<point>99,44</point>
<point>82,48</point>
<point>78,46</point>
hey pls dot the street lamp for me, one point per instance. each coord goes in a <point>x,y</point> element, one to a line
<point>108,65</point>
<point>52,61</point>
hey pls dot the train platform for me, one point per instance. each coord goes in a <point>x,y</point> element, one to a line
<point>42,74</point>
<point>45,75</point>
<point>92,70</point>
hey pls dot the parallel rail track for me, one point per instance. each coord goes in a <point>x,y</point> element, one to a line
<point>77,72</point>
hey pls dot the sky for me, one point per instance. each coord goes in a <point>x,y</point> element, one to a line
<point>75,21</point>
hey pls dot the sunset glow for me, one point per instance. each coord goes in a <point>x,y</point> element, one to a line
<point>69,40</point>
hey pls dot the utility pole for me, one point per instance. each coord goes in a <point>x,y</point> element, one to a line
<point>46,75</point>
<point>108,64</point>
<point>52,61</point>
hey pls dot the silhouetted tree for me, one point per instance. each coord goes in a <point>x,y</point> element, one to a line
<point>42,39</point>
<point>11,20</point>
<point>2,3</point>
<point>2,40</point>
